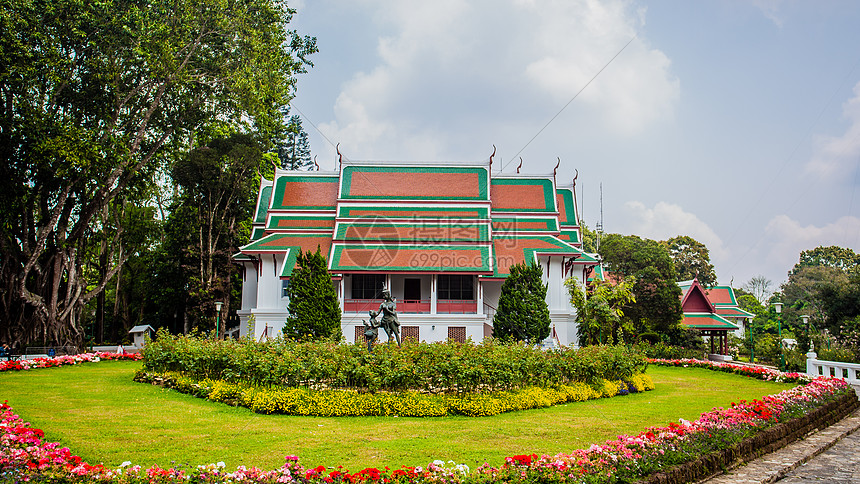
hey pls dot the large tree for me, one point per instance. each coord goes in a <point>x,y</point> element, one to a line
<point>294,151</point>
<point>658,296</point>
<point>523,314</point>
<point>218,184</point>
<point>93,95</point>
<point>691,259</point>
<point>841,258</point>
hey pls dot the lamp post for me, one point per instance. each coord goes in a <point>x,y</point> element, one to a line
<point>805,318</point>
<point>778,307</point>
<point>752,343</point>
<point>218,305</point>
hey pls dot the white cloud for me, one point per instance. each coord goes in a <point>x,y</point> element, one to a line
<point>785,238</point>
<point>667,220</point>
<point>836,156</point>
<point>506,67</point>
<point>771,9</point>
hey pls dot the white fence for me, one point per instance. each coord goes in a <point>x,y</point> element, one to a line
<point>848,371</point>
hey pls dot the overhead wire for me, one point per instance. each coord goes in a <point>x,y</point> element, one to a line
<point>568,103</point>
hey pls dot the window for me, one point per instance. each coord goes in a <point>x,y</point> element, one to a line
<point>457,333</point>
<point>456,287</point>
<point>285,286</point>
<point>409,332</point>
<point>367,286</point>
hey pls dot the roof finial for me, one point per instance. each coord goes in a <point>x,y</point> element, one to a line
<point>520,165</point>
<point>491,158</point>
<point>575,177</point>
<point>316,164</point>
<point>339,157</point>
<point>554,170</point>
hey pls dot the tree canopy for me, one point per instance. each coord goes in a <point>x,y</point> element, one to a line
<point>96,96</point>
<point>657,306</point>
<point>692,260</point>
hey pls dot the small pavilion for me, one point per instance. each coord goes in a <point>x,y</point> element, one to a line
<point>713,311</point>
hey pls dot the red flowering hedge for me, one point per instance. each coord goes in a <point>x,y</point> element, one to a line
<point>19,365</point>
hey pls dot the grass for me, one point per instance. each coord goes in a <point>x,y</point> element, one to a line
<point>102,415</point>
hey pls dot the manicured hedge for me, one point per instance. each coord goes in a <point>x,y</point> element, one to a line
<point>342,403</point>
<point>458,368</point>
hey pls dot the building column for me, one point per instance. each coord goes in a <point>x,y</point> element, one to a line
<point>433,297</point>
<point>479,294</point>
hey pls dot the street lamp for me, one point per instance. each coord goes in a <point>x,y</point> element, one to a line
<point>218,305</point>
<point>805,318</point>
<point>752,343</point>
<point>778,307</point>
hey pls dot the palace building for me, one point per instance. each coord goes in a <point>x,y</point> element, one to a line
<point>440,236</point>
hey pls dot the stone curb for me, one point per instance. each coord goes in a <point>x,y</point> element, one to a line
<point>776,465</point>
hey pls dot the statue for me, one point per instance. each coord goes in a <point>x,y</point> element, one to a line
<point>390,323</point>
<point>371,330</point>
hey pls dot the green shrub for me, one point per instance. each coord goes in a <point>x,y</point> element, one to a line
<point>450,367</point>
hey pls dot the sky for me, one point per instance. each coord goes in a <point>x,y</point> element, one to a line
<point>734,122</point>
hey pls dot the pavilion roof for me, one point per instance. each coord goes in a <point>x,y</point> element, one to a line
<point>704,321</point>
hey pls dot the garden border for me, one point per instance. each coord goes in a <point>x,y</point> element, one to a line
<point>762,443</point>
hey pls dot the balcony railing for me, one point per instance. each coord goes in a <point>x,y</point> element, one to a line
<point>361,305</point>
<point>414,306</point>
<point>457,306</point>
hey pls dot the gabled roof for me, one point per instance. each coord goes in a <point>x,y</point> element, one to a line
<point>303,191</point>
<point>523,195</point>
<point>413,211</point>
<point>730,312</point>
<point>420,231</point>
<point>694,300</point>
<point>524,248</point>
<point>513,224</point>
<point>567,215</point>
<point>391,182</point>
<point>301,222</point>
<point>473,259</point>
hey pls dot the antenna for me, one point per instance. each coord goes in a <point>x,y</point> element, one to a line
<point>599,225</point>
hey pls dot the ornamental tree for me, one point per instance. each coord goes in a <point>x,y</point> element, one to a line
<point>314,309</point>
<point>599,313</point>
<point>522,314</point>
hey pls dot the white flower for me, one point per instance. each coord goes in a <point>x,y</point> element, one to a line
<point>439,462</point>
<point>125,464</point>
<point>221,464</point>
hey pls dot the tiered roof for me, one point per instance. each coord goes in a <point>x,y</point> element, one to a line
<point>415,218</point>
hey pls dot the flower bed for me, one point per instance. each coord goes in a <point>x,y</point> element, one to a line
<point>684,449</point>
<point>758,372</point>
<point>19,365</point>
<point>341,403</point>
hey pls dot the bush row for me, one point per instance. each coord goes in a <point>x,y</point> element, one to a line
<point>343,403</point>
<point>448,367</point>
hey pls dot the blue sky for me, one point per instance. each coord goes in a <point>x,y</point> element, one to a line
<point>737,123</point>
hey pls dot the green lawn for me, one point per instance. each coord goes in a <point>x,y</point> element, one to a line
<point>102,415</point>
